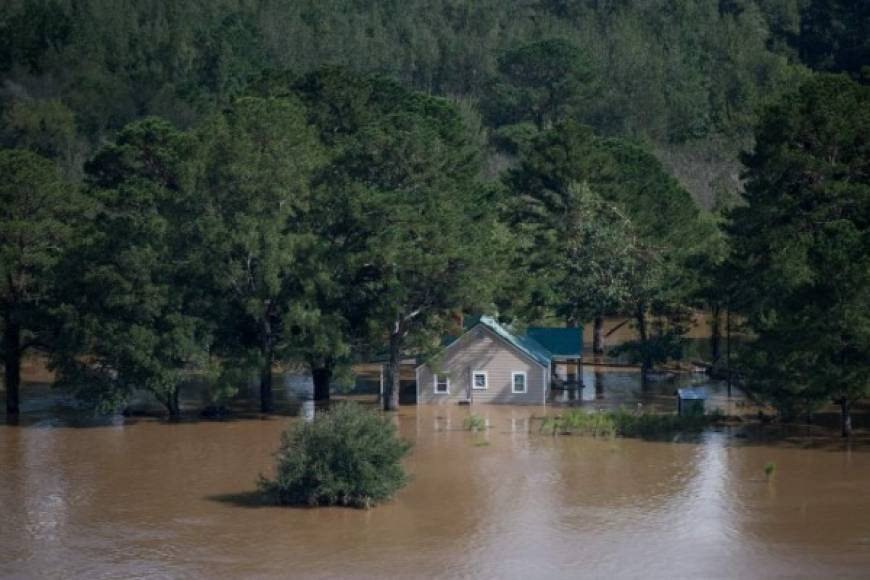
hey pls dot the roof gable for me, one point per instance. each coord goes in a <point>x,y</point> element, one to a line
<point>527,345</point>
<point>539,344</point>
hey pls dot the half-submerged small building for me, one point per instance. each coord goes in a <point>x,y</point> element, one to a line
<point>490,364</point>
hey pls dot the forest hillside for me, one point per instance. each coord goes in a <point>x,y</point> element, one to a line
<point>685,78</point>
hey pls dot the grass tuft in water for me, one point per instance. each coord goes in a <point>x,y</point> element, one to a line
<point>474,423</point>
<point>769,470</point>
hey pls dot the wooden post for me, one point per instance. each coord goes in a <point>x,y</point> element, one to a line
<point>381,387</point>
<point>597,334</point>
<point>728,347</point>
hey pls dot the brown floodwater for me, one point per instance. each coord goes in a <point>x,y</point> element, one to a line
<point>139,497</point>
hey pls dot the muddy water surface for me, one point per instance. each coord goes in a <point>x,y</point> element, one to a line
<point>143,498</point>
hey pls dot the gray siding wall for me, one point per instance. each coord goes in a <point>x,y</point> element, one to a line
<point>482,350</point>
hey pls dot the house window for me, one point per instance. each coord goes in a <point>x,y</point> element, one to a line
<point>442,384</point>
<point>479,380</point>
<point>518,382</point>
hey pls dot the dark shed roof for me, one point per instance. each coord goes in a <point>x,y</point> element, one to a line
<point>561,342</point>
<point>692,394</point>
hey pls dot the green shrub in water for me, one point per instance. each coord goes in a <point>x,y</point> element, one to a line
<point>474,423</point>
<point>347,456</point>
<point>769,470</point>
<point>576,421</point>
<point>622,423</point>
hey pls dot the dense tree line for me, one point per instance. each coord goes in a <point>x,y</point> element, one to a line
<point>668,72</point>
<point>227,186</point>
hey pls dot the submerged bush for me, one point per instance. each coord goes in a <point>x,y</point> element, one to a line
<point>347,456</point>
<point>474,423</point>
<point>622,423</point>
<point>581,422</point>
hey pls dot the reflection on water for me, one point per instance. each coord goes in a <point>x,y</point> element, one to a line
<point>145,498</point>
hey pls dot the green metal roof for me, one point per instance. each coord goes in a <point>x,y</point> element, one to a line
<point>561,342</point>
<point>528,345</point>
<point>540,344</point>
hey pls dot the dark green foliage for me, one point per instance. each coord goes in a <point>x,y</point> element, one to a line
<point>667,70</point>
<point>835,36</point>
<point>331,212</point>
<point>257,229</point>
<point>45,127</point>
<point>605,229</point>
<point>542,82</point>
<point>132,303</point>
<point>38,213</point>
<point>409,228</point>
<point>347,456</point>
<point>801,247</point>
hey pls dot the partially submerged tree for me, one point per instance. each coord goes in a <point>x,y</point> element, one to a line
<point>413,224</point>
<point>803,241</point>
<point>604,212</point>
<point>37,212</point>
<point>258,238</point>
<point>133,310</point>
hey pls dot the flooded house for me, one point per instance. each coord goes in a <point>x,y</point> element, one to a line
<point>488,363</point>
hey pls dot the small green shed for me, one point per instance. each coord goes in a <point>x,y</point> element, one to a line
<point>691,401</point>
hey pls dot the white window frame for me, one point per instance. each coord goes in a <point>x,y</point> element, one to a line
<point>474,386</point>
<point>514,376</point>
<point>435,384</point>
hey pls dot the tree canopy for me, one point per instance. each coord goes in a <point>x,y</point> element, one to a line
<point>37,213</point>
<point>800,247</point>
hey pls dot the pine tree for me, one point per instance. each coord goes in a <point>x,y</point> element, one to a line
<point>37,216</point>
<point>132,308</point>
<point>255,227</point>
<point>802,242</point>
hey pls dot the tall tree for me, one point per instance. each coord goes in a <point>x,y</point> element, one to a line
<point>802,241</point>
<point>414,224</point>
<point>37,212</point>
<point>256,229</point>
<point>133,309</point>
<point>541,82</point>
<point>650,222</point>
<point>576,242</point>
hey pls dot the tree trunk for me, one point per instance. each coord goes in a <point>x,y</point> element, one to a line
<point>640,317</point>
<point>393,384</point>
<point>267,349</point>
<point>172,405</point>
<point>12,364</point>
<point>845,418</point>
<point>716,332</point>
<point>728,347</point>
<point>266,404</point>
<point>322,376</point>
<point>599,384</point>
<point>598,334</point>
<point>646,361</point>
